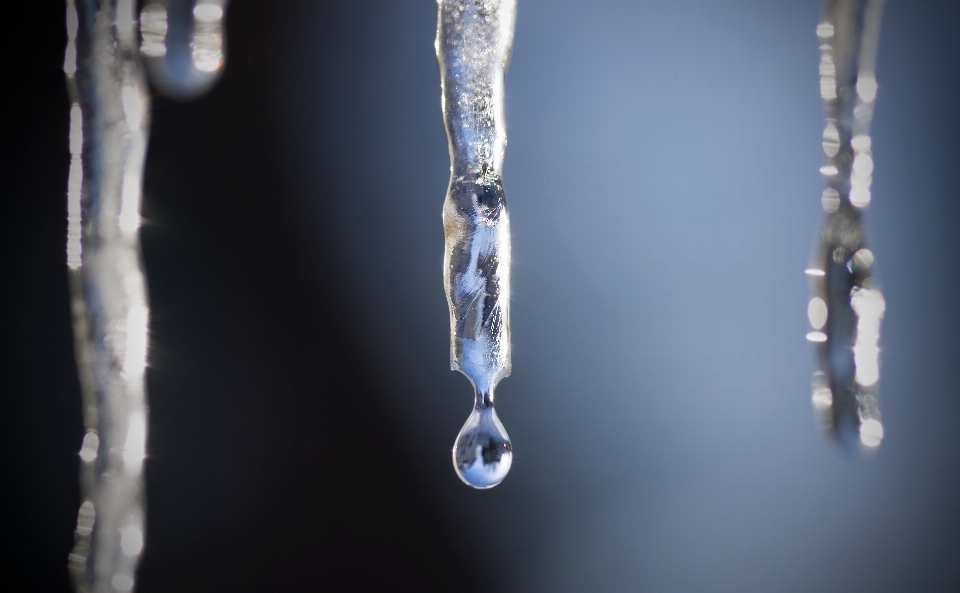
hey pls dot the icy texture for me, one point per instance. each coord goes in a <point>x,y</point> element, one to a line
<point>108,136</point>
<point>473,48</point>
<point>846,304</point>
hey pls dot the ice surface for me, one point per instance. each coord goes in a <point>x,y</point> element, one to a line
<point>473,48</point>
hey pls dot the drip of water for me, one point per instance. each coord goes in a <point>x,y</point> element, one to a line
<point>846,304</point>
<point>183,45</point>
<point>473,44</point>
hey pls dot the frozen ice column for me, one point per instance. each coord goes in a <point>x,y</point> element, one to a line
<point>846,305</point>
<point>473,48</point>
<point>109,118</point>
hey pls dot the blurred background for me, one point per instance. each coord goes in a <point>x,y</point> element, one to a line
<point>662,175</point>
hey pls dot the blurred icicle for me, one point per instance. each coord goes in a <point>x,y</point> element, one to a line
<point>109,123</point>
<point>109,118</point>
<point>846,304</point>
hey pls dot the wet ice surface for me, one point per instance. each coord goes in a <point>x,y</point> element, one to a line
<point>473,48</point>
<point>846,304</point>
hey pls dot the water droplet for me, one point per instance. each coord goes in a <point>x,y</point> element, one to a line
<point>482,454</point>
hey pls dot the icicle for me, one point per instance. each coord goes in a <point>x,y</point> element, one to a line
<point>109,119</point>
<point>109,122</point>
<point>473,44</point>
<point>846,304</point>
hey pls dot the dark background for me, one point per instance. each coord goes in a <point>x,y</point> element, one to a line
<point>662,176</point>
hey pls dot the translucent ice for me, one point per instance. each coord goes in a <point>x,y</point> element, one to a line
<point>473,44</point>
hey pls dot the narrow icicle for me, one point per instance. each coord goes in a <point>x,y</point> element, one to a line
<point>109,119</point>
<point>846,304</point>
<point>184,45</point>
<point>473,44</point>
<point>109,123</point>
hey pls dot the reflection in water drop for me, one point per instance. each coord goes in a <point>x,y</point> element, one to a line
<point>482,454</point>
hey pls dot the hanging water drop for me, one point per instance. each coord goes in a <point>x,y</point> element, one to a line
<point>482,454</point>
